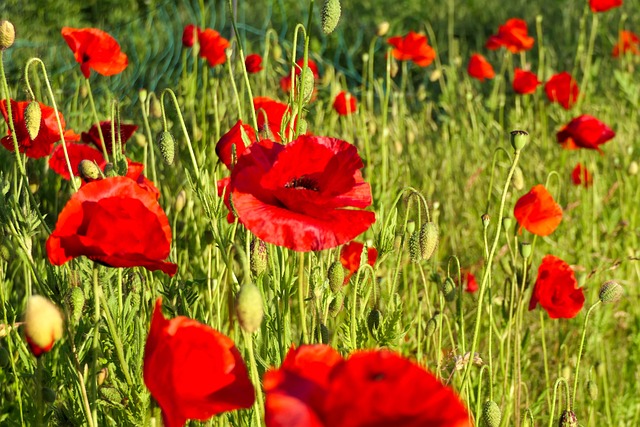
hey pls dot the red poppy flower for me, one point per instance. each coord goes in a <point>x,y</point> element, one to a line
<point>47,135</point>
<point>628,43</point>
<point>412,47</point>
<point>213,47</point>
<point>271,115</point>
<point>581,176</point>
<point>479,68</point>
<point>563,89</point>
<point>234,138</point>
<point>556,289</point>
<point>190,35</point>
<point>472,283</point>
<point>135,172</point>
<point>192,370</point>
<point>513,35</point>
<point>525,82</point>
<point>301,195</point>
<point>95,50</point>
<point>604,5</point>
<point>126,131</point>
<point>115,222</point>
<point>77,153</point>
<point>345,104</point>
<point>584,132</point>
<point>286,82</point>
<point>253,63</point>
<point>538,212</point>
<point>350,257</point>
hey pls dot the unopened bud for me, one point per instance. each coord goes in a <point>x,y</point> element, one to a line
<point>306,83</point>
<point>181,201</point>
<point>373,320</point>
<point>633,168</point>
<point>415,252</point>
<point>7,34</point>
<point>76,301</point>
<point>32,118</point>
<point>330,15</point>
<point>110,170</point>
<point>611,292</point>
<point>258,251</point>
<point>432,324</point>
<point>48,395</point>
<point>88,170</point>
<point>155,109</point>
<point>167,147</point>
<point>335,306</point>
<point>382,29</point>
<point>249,307</point>
<point>519,139</point>
<point>335,276</point>
<point>43,324</point>
<point>518,179</point>
<point>102,376</point>
<point>5,360</point>
<point>428,239</point>
<point>111,394</point>
<point>506,223</point>
<point>491,414</point>
<point>568,419</point>
<point>449,289</point>
<point>592,390</point>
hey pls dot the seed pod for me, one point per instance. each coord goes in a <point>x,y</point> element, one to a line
<point>249,307</point>
<point>568,419</point>
<point>258,251</point>
<point>611,292</point>
<point>428,239</point>
<point>32,118</point>
<point>373,320</point>
<point>322,333</point>
<point>491,414</point>
<point>330,15</point>
<point>7,34</point>
<point>519,139</point>
<point>76,300</point>
<point>88,170</point>
<point>525,250</point>
<point>167,147</point>
<point>335,306</point>
<point>336,276</point>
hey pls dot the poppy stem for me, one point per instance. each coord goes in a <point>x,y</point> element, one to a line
<point>544,356</point>
<point>559,381</point>
<point>301,295</point>
<point>97,120</point>
<point>7,97</point>
<point>584,333</point>
<point>255,377</point>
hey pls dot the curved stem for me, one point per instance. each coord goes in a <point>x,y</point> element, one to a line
<point>97,121</point>
<point>584,333</point>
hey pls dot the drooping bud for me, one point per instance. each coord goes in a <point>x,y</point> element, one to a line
<point>611,292</point>
<point>76,301</point>
<point>306,84</point>
<point>167,147</point>
<point>373,320</point>
<point>518,179</point>
<point>5,360</point>
<point>336,276</point>
<point>7,34</point>
<point>432,325</point>
<point>330,15</point>
<point>335,306</point>
<point>110,170</point>
<point>568,419</point>
<point>491,414</point>
<point>249,307</point>
<point>449,289</point>
<point>428,239</point>
<point>88,170</point>
<point>519,139</point>
<point>43,324</point>
<point>32,118</point>
<point>48,395</point>
<point>258,251</point>
<point>155,109</point>
<point>102,375</point>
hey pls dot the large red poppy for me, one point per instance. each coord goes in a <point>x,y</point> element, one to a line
<point>556,289</point>
<point>581,176</point>
<point>479,68</point>
<point>95,50</point>
<point>563,89</point>
<point>115,222</point>
<point>47,135</point>
<point>350,257</point>
<point>234,137</point>
<point>93,137</point>
<point>213,47</point>
<point>307,195</point>
<point>537,212</point>
<point>628,43</point>
<point>345,104</point>
<point>253,63</point>
<point>192,370</point>
<point>584,132</point>
<point>513,35</point>
<point>412,47</point>
<point>525,82</point>
<point>604,5</point>
<point>77,153</point>
<point>270,115</point>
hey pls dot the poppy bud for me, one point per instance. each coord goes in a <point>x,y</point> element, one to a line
<point>102,376</point>
<point>43,324</point>
<point>303,126</point>
<point>142,94</point>
<point>181,201</point>
<point>611,292</point>
<point>249,307</point>
<point>393,71</point>
<point>592,390</point>
<point>330,15</point>
<point>506,223</point>
<point>415,253</point>
<point>633,168</point>
<point>518,179</point>
<point>48,395</point>
<point>110,170</point>
<point>335,306</point>
<point>432,324</point>
<point>111,394</point>
<point>155,109</point>
<point>167,147</point>
<point>525,250</point>
<point>411,226</point>
<point>258,250</point>
<point>491,414</point>
<point>7,34</point>
<point>88,170</point>
<point>32,118</point>
<point>382,29</point>
<point>76,300</point>
<point>519,139</point>
<point>336,276</point>
<point>373,320</point>
<point>5,359</point>
<point>428,239</point>
<point>449,289</point>
<point>568,419</point>
<point>305,87</point>
<point>322,333</point>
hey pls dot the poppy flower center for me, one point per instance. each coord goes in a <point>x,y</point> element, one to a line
<point>85,58</point>
<point>303,182</point>
<point>377,376</point>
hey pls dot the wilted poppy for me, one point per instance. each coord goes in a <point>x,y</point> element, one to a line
<point>95,50</point>
<point>270,115</point>
<point>240,136</point>
<point>213,47</point>
<point>253,63</point>
<point>412,47</point>
<point>604,5</point>
<point>190,35</point>
<point>192,370</point>
<point>581,176</point>
<point>93,137</point>
<point>513,35</point>
<point>77,153</point>
<point>537,212</point>
<point>345,103</point>
<point>628,43</point>
<point>307,195</point>
<point>47,135</point>
<point>563,89</point>
<point>556,289</point>
<point>350,258</point>
<point>525,82</point>
<point>584,131</point>
<point>286,82</point>
<point>115,222</point>
<point>479,68</point>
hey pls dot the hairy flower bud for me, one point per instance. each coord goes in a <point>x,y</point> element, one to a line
<point>258,251</point>
<point>7,34</point>
<point>249,307</point>
<point>88,170</point>
<point>428,239</point>
<point>167,147</point>
<point>611,292</point>
<point>336,276</point>
<point>330,15</point>
<point>373,320</point>
<point>76,301</point>
<point>335,306</point>
<point>306,84</point>
<point>491,414</point>
<point>32,118</point>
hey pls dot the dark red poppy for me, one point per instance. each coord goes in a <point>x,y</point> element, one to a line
<point>213,47</point>
<point>525,82</point>
<point>47,135</point>
<point>563,89</point>
<point>479,68</point>
<point>95,50</point>
<point>581,176</point>
<point>513,35</point>
<point>604,5</point>
<point>350,258</point>
<point>253,63</point>
<point>115,222</point>
<point>190,35</point>
<point>345,103</point>
<point>235,138</point>
<point>556,289</point>
<point>537,212</point>
<point>93,137</point>
<point>192,370</point>
<point>271,115</point>
<point>471,283</point>
<point>77,153</point>
<point>286,82</point>
<point>628,43</point>
<point>584,132</point>
<point>412,47</point>
<point>307,195</point>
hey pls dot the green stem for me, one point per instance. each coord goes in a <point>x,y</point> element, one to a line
<point>259,403</point>
<point>545,357</point>
<point>97,121</point>
<point>584,333</point>
<point>116,339</point>
<point>301,295</point>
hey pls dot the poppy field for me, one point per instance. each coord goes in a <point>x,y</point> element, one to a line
<point>320,214</point>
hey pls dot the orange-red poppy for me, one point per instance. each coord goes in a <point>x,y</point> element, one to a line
<point>604,5</point>
<point>479,68</point>
<point>563,89</point>
<point>581,176</point>
<point>584,131</point>
<point>556,289</point>
<point>537,212</point>
<point>513,35</point>
<point>350,257</point>
<point>345,103</point>
<point>95,50</point>
<point>412,47</point>
<point>525,82</point>
<point>213,47</point>
<point>628,43</point>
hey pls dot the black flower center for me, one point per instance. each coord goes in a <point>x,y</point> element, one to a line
<point>376,376</point>
<point>85,58</point>
<point>303,182</point>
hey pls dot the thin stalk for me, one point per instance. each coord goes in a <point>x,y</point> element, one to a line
<point>584,333</point>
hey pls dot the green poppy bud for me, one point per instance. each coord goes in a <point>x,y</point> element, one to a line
<point>491,414</point>
<point>258,251</point>
<point>322,333</point>
<point>415,252</point>
<point>48,395</point>
<point>335,306</point>
<point>167,147</point>
<point>249,307</point>
<point>111,394</point>
<point>428,239</point>
<point>592,390</point>
<point>611,292</point>
<point>32,118</point>
<point>88,170</point>
<point>306,84</point>
<point>330,15</point>
<point>373,320</point>
<point>432,325</point>
<point>449,289</point>
<point>76,301</point>
<point>336,276</point>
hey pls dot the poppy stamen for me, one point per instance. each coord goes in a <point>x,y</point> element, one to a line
<point>304,182</point>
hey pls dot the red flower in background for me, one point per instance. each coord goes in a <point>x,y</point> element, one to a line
<point>212,47</point>
<point>95,50</point>
<point>93,137</point>
<point>192,370</point>
<point>234,138</point>
<point>47,135</point>
<point>412,47</point>
<point>77,153</point>
<point>584,132</point>
<point>581,176</point>
<point>628,42</point>
<point>253,63</point>
<point>302,195</point>
<point>537,212</point>
<point>471,283</point>
<point>479,68</point>
<point>525,82</point>
<point>270,116</point>
<point>513,35</point>
<point>604,5</point>
<point>350,257</point>
<point>556,289</point>
<point>114,222</point>
<point>345,103</point>
<point>190,35</point>
<point>563,89</point>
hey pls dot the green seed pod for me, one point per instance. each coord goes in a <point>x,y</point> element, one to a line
<point>525,250</point>
<point>249,307</point>
<point>305,87</point>
<point>611,292</point>
<point>336,276</point>
<point>449,289</point>
<point>5,359</point>
<point>568,419</point>
<point>88,170</point>
<point>110,394</point>
<point>415,251</point>
<point>491,414</point>
<point>167,147</point>
<point>48,395</point>
<point>506,223</point>
<point>258,251</point>
<point>428,239</point>
<point>330,15</point>
<point>519,139</point>
<point>76,301</point>
<point>322,333</point>
<point>373,320</point>
<point>592,390</point>
<point>32,118</point>
<point>7,34</point>
<point>335,306</point>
